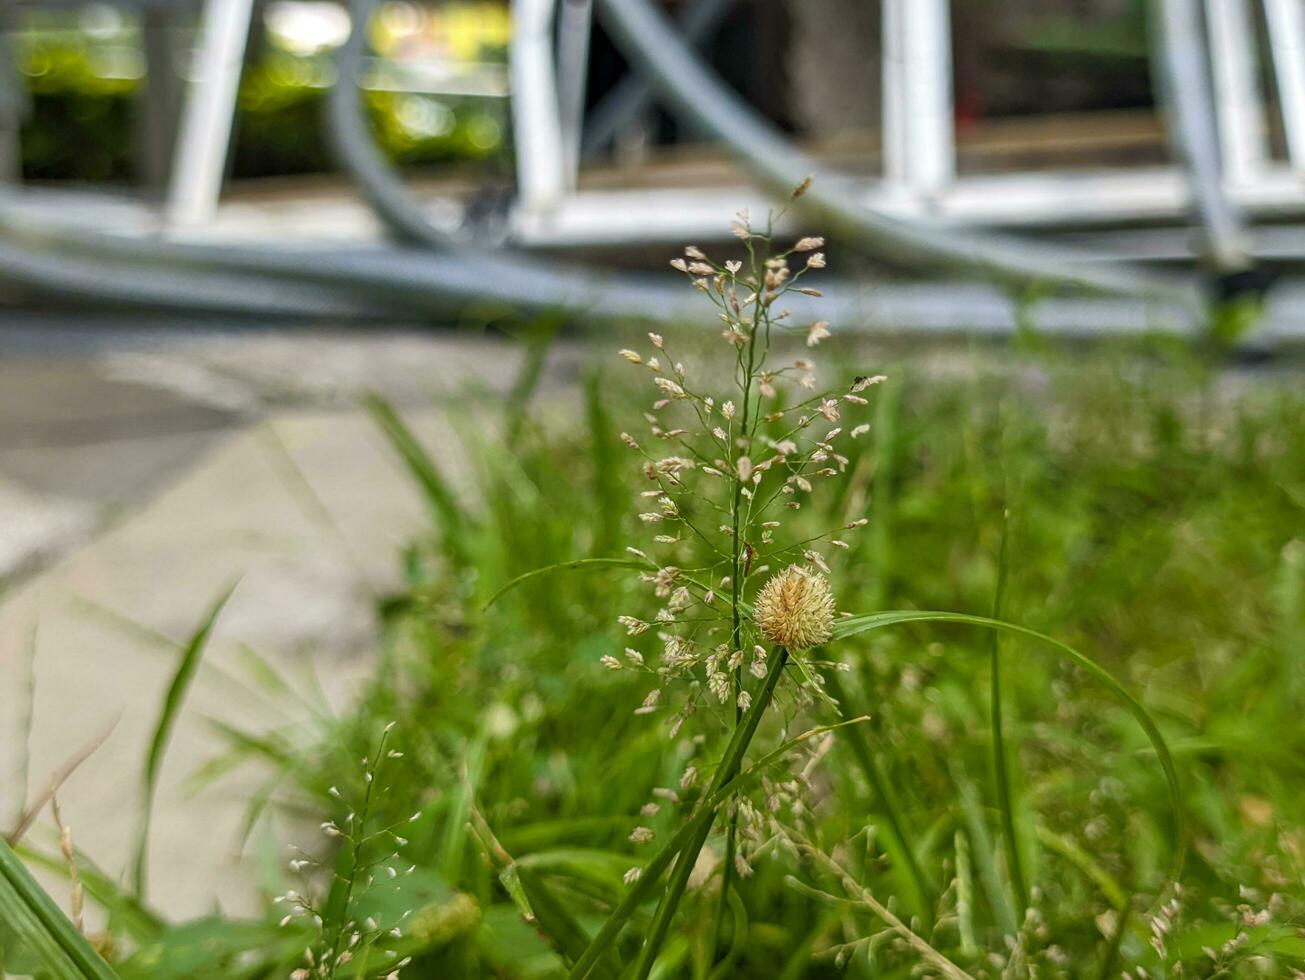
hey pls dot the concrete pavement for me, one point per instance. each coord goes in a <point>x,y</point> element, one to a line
<point>152,474</point>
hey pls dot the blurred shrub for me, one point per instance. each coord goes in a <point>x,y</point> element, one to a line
<point>84,84</point>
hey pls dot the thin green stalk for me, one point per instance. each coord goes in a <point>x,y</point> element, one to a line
<point>881,494</point>
<point>688,857</point>
<point>720,790</point>
<point>1291,619</point>
<point>879,787</point>
<point>187,666</point>
<point>1000,773</point>
<point>726,882</point>
<point>736,595</point>
<point>25,723</point>
<point>357,837</point>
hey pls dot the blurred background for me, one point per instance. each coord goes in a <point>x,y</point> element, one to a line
<point>1071,232</point>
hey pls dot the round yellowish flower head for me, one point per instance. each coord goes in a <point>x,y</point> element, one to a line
<point>795,609</point>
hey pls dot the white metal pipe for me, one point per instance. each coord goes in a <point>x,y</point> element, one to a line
<point>1238,106</point>
<point>204,136</point>
<point>536,126</point>
<point>1286,21</point>
<point>918,128</point>
<point>574,21</point>
<point>1179,42</point>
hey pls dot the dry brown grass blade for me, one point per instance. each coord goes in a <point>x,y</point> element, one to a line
<point>76,896</point>
<point>60,776</point>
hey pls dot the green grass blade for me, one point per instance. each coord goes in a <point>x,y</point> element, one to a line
<point>556,922</point>
<point>126,914</point>
<point>25,720</point>
<point>565,566</point>
<point>1000,772</point>
<point>974,815</point>
<point>918,893</point>
<point>538,338</point>
<point>964,894</point>
<point>1291,619</point>
<point>799,959</point>
<point>727,770</point>
<point>44,930</point>
<point>689,839</point>
<point>171,708</point>
<point>602,868</point>
<point>608,488</point>
<point>453,519</point>
<point>881,513</point>
<point>1072,852</point>
<point>875,621</point>
<point>453,844</point>
<point>729,962</point>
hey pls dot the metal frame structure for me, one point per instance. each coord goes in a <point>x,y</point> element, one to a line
<point>204,136</point>
<point>920,183</point>
<point>1238,107</point>
<point>206,261</point>
<point>548,65</point>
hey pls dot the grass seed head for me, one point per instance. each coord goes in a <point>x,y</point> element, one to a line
<point>795,609</point>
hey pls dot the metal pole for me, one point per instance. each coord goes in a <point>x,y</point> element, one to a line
<point>1237,102</point>
<point>1286,21</point>
<point>1178,39</point>
<point>160,101</point>
<point>919,134</point>
<point>536,125</point>
<point>573,25</point>
<point>205,134</point>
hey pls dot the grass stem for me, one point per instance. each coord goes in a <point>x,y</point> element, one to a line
<point>884,799</point>
<point>692,834</point>
<point>726,771</point>
<point>1001,774</point>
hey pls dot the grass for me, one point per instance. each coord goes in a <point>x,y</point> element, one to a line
<point>1151,514</point>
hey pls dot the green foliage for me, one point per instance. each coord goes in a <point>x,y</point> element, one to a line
<point>35,935</point>
<point>173,699</point>
<point>1154,532</point>
<point>1148,518</point>
<point>84,88</point>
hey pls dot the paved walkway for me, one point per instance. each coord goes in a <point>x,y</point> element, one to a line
<point>307,509</point>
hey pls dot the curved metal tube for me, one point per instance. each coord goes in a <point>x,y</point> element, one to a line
<point>384,284</point>
<point>700,98</point>
<point>351,140</point>
<point>633,94</point>
<point>310,280</point>
<point>484,273</point>
<point>128,284</point>
<point>462,277</point>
